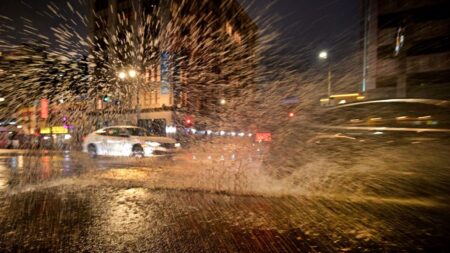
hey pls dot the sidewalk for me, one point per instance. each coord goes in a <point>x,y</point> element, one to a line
<point>33,151</point>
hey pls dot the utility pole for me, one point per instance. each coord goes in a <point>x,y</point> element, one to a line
<point>366,18</point>
<point>329,79</point>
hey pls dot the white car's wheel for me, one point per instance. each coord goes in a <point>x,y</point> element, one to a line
<point>137,151</point>
<point>92,150</point>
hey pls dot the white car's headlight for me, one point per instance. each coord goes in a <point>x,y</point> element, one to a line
<point>177,145</point>
<point>153,144</point>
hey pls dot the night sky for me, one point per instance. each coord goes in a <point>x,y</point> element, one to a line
<point>306,26</point>
<point>38,12</point>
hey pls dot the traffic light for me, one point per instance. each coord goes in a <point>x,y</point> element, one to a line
<point>106,98</point>
<point>188,122</point>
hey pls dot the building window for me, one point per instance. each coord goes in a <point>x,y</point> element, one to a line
<point>155,73</point>
<point>184,98</point>
<point>159,127</point>
<point>158,73</point>
<point>147,76</point>
<point>390,20</point>
<point>145,123</point>
<point>429,13</point>
<point>426,79</point>
<point>385,52</point>
<point>156,97</point>
<point>148,98</point>
<point>155,127</point>
<point>387,82</point>
<point>430,46</point>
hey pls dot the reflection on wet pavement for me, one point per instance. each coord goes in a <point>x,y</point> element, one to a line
<point>116,219</point>
<point>49,203</point>
<point>22,169</point>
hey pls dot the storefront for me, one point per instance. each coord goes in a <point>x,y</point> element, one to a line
<point>55,137</point>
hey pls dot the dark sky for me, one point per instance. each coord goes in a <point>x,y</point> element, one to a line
<point>306,26</point>
<point>42,18</point>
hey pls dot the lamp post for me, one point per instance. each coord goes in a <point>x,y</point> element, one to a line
<point>133,75</point>
<point>323,55</point>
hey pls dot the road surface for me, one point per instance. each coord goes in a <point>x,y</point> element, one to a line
<point>67,202</point>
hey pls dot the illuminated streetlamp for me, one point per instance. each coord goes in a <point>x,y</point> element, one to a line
<point>122,75</point>
<point>223,101</point>
<point>323,55</point>
<point>132,73</point>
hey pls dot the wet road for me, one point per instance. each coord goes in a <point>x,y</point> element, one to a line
<point>55,202</point>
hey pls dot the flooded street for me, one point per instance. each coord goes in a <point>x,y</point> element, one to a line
<point>224,126</point>
<point>49,202</point>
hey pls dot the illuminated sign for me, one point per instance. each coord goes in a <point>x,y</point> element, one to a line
<point>45,130</point>
<point>59,130</point>
<point>263,137</point>
<point>44,108</point>
<point>54,130</point>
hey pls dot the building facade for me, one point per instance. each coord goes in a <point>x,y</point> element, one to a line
<point>158,63</point>
<point>407,48</point>
<point>42,95</point>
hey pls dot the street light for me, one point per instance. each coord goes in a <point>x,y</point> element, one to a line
<point>323,55</point>
<point>132,73</point>
<point>223,101</point>
<point>122,75</point>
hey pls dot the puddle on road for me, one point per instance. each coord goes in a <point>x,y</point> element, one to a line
<point>150,204</point>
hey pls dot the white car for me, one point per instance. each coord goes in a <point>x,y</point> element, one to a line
<point>127,141</point>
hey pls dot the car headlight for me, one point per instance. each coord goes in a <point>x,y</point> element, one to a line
<point>177,145</point>
<point>153,144</point>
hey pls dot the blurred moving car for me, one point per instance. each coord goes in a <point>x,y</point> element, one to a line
<point>393,120</point>
<point>358,132</point>
<point>127,141</point>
